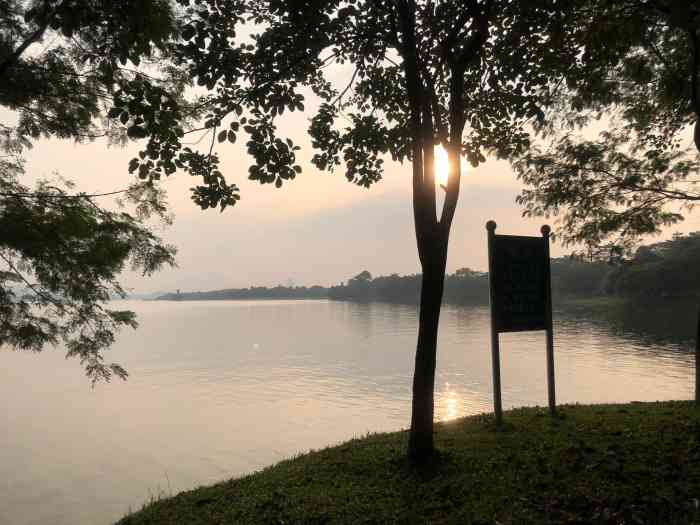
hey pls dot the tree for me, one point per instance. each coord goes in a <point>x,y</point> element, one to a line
<point>467,273</point>
<point>642,69</point>
<point>666,269</point>
<point>362,277</point>
<point>608,191</point>
<point>464,75</point>
<point>61,63</point>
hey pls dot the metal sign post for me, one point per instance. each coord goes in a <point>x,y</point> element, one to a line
<point>521,298</point>
<point>550,332</point>
<point>495,348</point>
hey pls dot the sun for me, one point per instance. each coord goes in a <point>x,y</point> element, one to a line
<point>442,166</point>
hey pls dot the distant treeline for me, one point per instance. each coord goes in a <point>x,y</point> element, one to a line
<point>570,277</point>
<point>254,292</point>
<point>465,286</point>
<point>668,269</point>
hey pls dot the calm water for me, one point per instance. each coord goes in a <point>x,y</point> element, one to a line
<point>218,389</point>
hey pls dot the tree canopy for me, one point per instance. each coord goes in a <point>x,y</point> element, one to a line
<point>639,71</point>
<point>480,67</point>
<point>62,63</point>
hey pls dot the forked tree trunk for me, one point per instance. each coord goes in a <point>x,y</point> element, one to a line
<point>420,445</point>
<point>432,233</point>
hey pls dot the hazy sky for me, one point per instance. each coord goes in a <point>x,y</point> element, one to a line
<point>317,229</point>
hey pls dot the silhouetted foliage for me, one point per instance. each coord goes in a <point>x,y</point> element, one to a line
<point>62,63</point>
<point>640,70</point>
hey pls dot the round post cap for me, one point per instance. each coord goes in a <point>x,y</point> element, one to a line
<point>545,230</point>
<point>491,226</point>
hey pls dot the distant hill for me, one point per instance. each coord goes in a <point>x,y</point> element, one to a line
<point>667,269</point>
<point>570,278</point>
<point>254,292</point>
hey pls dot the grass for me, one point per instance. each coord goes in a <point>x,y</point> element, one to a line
<point>608,464</point>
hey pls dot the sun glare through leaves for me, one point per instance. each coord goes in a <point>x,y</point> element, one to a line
<point>442,166</point>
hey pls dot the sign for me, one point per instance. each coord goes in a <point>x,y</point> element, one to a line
<point>520,290</point>
<point>519,283</point>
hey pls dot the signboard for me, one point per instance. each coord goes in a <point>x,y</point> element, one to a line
<point>519,283</point>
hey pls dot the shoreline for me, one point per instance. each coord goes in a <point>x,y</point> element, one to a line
<point>593,463</point>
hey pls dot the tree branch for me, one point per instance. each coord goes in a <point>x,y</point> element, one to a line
<point>457,66</point>
<point>339,99</point>
<point>61,196</point>
<point>47,298</point>
<point>421,208</point>
<point>12,59</point>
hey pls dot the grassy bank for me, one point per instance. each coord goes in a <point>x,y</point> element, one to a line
<point>635,463</point>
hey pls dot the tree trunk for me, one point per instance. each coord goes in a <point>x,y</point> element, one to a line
<point>432,235</point>
<point>420,444</point>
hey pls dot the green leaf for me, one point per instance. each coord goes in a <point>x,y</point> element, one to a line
<point>188,32</point>
<point>114,112</point>
<point>136,132</point>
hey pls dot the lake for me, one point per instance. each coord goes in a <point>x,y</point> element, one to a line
<point>219,389</point>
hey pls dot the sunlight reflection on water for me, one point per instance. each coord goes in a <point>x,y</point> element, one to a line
<point>218,389</point>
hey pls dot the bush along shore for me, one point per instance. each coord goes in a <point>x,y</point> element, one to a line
<point>608,464</point>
